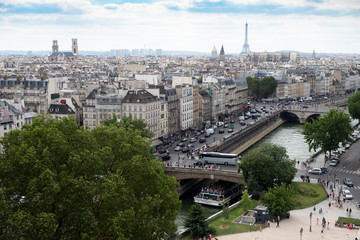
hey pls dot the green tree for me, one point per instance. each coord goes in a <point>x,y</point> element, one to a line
<point>278,199</point>
<point>266,165</point>
<point>128,123</point>
<point>267,86</point>
<point>245,199</point>
<point>61,182</point>
<point>327,131</point>
<point>354,105</point>
<point>196,223</point>
<point>253,85</point>
<point>225,212</point>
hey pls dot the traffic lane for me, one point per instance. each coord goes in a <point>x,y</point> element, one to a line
<point>350,158</point>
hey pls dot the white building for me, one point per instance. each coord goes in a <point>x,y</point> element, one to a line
<point>186,102</point>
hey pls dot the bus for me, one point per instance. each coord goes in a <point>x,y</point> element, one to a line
<point>219,158</point>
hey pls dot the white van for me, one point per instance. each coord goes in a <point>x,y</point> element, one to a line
<point>219,124</point>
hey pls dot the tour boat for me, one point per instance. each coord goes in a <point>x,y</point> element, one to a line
<point>218,193</point>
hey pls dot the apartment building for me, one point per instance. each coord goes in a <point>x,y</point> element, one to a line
<point>173,110</point>
<point>143,105</point>
<point>186,106</point>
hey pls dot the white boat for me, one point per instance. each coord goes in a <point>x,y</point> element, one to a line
<point>218,194</point>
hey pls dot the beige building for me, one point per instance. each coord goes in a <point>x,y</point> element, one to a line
<point>173,110</point>
<point>143,105</point>
<point>196,121</point>
<point>35,92</point>
<point>164,130</point>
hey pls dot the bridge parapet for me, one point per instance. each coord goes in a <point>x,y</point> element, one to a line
<point>195,173</point>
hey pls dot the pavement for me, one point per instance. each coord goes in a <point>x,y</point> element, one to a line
<point>290,228</point>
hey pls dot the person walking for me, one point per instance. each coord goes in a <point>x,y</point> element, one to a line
<point>322,233</point>
<point>278,221</point>
<point>350,212</point>
<point>347,211</point>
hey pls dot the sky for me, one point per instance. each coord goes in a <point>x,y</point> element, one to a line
<point>331,26</point>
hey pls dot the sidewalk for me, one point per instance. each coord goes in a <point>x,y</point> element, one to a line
<point>290,228</point>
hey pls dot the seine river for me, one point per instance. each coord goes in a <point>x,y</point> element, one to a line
<point>288,135</point>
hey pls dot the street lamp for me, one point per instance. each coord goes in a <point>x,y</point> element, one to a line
<point>310,220</point>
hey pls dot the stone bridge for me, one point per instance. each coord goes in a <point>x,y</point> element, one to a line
<point>199,173</point>
<point>301,116</point>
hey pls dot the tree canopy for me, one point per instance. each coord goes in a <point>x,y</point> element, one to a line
<point>278,199</point>
<point>261,87</point>
<point>354,105</point>
<point>266,165</point>
<point>128,123</point>
<point>327,131</point>
<point>61,182</point>
<point>196,223</point>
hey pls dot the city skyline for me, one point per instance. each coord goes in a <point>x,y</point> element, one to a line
<point>189,25</point>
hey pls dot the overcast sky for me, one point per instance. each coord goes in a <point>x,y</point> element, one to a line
<point>188,25</point>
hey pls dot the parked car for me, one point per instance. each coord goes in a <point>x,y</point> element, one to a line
<point>221,131</point>
<point>334,162</point>
<point>315,171</point>
<point>348,182</point>
<point>178,148</point>
<point>198,133</point>
<point>190,146</point>
<point>324,170</point>
<point>232,121</point>
<point>185,149</point>
<point>181,145</point>
<point>192,140</point>
<point>242,123</point>
<point>184,139</point>
<point>230,130</point>
<point>202,140</point>
<point>226,125</point>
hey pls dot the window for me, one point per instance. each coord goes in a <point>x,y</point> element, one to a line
<point>135,108</point>
<point>162,107</point>
<point>140,116</point>
<point>85,115</point>
<point>162,115</point>
<point>140,108</point>
<point>94,116</point>
<point>129,108</point>
<point>124,108</point>
<point>135,115</point>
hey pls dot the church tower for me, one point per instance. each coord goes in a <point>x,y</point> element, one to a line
<point>222,53</point>
<point>74,46</point>
<point>214,52</point>
<point>55,47</point>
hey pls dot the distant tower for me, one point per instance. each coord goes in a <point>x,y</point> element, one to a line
<point>74,46</point>
<point>313,56</point>
<point>246,47</point>
<point>55,47</point>
<point>222,53</point>
<point>214,53</point>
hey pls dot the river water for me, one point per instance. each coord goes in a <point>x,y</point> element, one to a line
<point>288,135</point>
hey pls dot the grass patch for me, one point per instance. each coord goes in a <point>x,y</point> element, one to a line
<point>346,220</point>
<point>235,227</point>
<point>306,195</point>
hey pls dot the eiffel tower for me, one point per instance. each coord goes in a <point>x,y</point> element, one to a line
<point>246,47</point>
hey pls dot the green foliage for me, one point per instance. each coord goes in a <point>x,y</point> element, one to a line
<point>225,212</point>
<point>196,223</point>
<point>278,199</point>
<point>82,184</point>
<point>130,124</point>
<point>245,200</point>
<point>328,130</point>
<point>261,87</point>
<point>346,220</point>
<point>354,105</point>
<point>266,165</point>
<point>308,192</point>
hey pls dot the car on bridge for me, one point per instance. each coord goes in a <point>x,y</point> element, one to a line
<point>305,106</point>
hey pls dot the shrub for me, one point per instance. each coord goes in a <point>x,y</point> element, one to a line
<point>308,192</point>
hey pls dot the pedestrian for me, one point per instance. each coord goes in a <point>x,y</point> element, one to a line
<point>317,220</point>
<point>278,221</point>
<point>329,204</point>
<point>322,233</point>
<point>350,212</point>
<point>314,209</point>
<point>347,211</point>
<point>328,226</point>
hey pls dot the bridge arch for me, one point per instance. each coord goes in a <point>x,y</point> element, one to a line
<point>312,116</point>
<point>289,116</point>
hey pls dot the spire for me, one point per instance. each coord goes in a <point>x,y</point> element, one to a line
<point>222,52</point>
<point>246,46</point>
